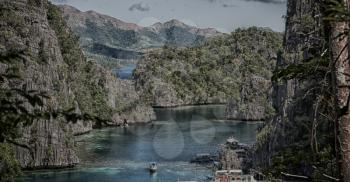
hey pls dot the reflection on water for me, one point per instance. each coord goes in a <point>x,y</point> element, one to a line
<point>122,173</point>
<point>123,154</point>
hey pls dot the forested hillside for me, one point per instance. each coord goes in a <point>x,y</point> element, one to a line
<point>234,68</point>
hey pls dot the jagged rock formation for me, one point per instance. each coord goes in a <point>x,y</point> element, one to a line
<point>234,69</point>
<point>102,35</point>
<point>51,61</point>
<point>254,103</point>
<point>27,29</point>
<point>122,97</point>
<point>277,135</point>
<point>300,133</point>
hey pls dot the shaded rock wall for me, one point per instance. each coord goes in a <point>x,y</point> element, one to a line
<point>255,101</point>
<point>294,100</point>
<point>51,61</point>
<point>26,31</point>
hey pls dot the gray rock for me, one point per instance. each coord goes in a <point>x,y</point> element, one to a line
<point>50,143</point>
<point>292,101</point>
<point>254,100</point>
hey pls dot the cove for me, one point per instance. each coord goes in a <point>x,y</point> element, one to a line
<point>123,154</point>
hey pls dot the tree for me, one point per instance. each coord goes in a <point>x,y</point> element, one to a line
<point>341,71</point>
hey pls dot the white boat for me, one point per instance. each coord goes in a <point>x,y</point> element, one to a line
<point>153,167</point>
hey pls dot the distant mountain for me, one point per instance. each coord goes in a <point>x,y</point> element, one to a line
<point>107,36</point>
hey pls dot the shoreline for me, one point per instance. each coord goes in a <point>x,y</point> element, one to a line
<point>74,166</point>
<point>189,105</point>
<point>210,104</point>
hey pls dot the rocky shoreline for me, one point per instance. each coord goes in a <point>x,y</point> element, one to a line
<point>185,105</point>
<point>247,119</point>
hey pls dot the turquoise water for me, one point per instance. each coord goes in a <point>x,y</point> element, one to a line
<point>123,154</point>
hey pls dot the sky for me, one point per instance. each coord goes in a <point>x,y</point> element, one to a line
<point>224,15</point>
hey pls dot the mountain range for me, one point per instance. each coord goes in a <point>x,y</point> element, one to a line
<point>102,35</point>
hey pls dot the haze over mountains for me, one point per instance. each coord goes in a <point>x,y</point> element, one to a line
<point>102,35</point>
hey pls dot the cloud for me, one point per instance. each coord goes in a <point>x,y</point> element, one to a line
<point>229,5</point>
<point>270,1</point>
<point>139,7</point>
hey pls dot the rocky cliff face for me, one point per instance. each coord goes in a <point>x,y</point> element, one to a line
<point>49,144</point>
<point>285,141</point>
<point>26,29</point>
<point>255,101</point>
<point>122,96</point>
<point>51,61</point>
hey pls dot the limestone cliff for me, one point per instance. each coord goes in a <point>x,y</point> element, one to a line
<point>254,103</point>
<point>234,69</point>
<point>123,98</point>
<point>25,30</point>
<point>299,134</point>
<point>51,61</point>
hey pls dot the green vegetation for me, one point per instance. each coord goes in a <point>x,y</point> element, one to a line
<point>72,54</point>
<point>178,36</point>
<point>19,104</point>
<point>214,71</point>
<point>9,166</point>
<point>90,94</point>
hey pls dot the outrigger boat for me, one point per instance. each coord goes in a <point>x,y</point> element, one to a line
<point>153,167</point>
